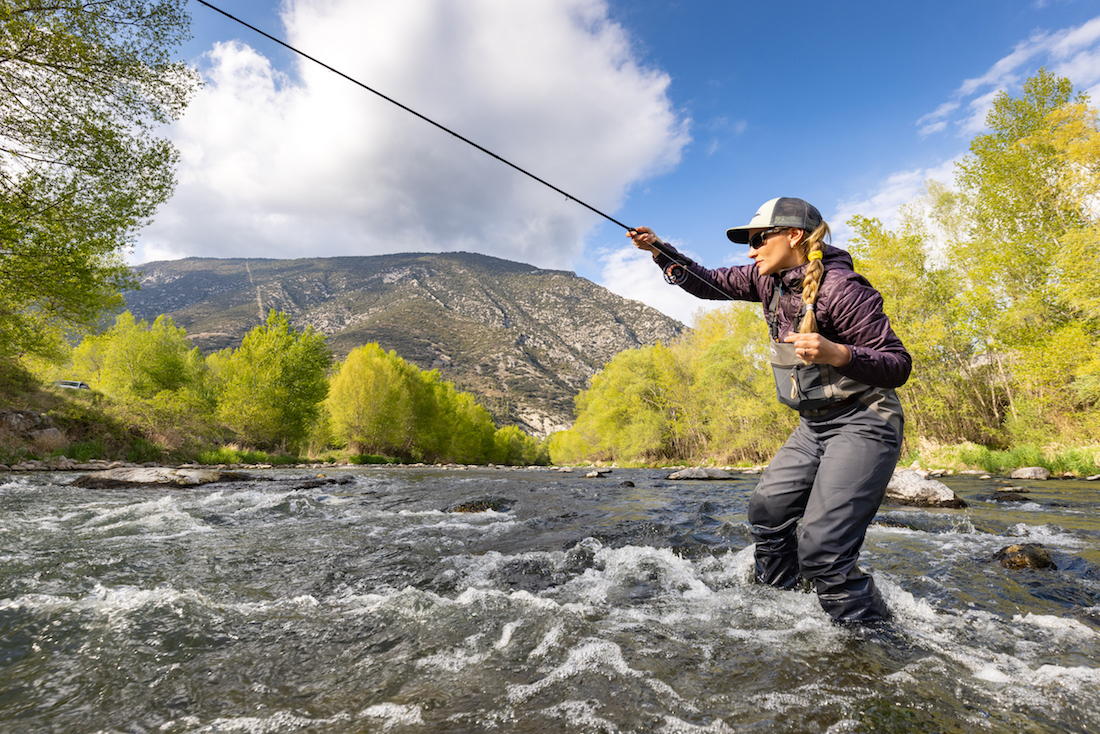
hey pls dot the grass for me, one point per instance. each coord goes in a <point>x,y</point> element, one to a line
<point>1083,461</point>
<point>233,455</point>
<point>372,459</point>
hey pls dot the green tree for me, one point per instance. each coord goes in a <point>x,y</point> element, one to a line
<point>1028,192</point>
<point>954,392</point>
<point>270,390</point>
<point>372,402</point>
<point>134,358</point>
<point>380,404</point>
<point>85,87</point>
<point>733,389</point>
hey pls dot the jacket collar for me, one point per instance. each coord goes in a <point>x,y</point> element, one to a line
<point>835,258</point>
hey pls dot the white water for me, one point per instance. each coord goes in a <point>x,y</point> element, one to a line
<point>578,605</point>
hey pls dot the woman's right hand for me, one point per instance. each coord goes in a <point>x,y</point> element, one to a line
<point>643,238</point>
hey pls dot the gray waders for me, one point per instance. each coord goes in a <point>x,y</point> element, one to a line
<point>831,474</point>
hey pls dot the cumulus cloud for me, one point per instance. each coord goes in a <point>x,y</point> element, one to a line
<point>274,166</point>
<point>885,202</point>
<point>1073,53</point>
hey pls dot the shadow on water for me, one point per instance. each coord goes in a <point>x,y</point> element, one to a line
<point>417,599</point>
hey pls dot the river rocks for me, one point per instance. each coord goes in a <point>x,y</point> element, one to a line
<point>1025,555</point>
<point>20,421</point>
<point>1030,472</point>
<point>910,487</point>
<point>700,472</point>
<point>496,504</point>
<point>1009,494</point>
<point>162,475</point>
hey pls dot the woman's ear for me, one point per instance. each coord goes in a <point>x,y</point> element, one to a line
<point>796,235</point>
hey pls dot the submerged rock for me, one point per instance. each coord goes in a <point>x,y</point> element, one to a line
<point>496,504</point>
<point>700,472</point>
<point>910,487</point>
<point>141,476</point>
<point>1030,472</point>
<point>1010,494</point>
<point>1025,555</point>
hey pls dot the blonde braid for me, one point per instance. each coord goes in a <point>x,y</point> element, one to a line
<point>815,270</point>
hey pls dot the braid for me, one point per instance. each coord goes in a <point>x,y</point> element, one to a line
<point>811,283</point>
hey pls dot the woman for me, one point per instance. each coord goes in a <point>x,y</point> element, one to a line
<point>837,361</point>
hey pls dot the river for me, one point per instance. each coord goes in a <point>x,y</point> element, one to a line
<point>360,602</point>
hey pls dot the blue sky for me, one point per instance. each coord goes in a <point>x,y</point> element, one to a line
<point>683,116</point>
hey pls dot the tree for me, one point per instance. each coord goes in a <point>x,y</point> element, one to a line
<point>272,387</point>
<point>83,88</point>
<point>380,404</point>
<point>1029,192</point>
<point>133,358</point>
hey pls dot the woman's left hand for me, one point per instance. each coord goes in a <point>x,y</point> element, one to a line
<point>816,349</point>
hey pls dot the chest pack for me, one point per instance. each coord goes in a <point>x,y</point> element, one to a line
<point>808,388</point>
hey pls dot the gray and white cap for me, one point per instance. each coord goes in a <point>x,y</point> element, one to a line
<point>781,212</point>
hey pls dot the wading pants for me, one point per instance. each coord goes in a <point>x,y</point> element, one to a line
<point>832,475</point>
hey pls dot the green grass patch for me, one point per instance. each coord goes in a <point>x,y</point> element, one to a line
<point>1081,461</point>
<point>85,450</point>
<point>372,459</point>
<point>229,455</point>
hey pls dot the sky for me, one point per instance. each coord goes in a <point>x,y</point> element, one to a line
<point>681,116</point>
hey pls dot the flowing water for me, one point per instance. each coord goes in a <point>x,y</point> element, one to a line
<point>361,602</point>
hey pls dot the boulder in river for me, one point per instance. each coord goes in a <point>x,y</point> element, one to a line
<point>1030,472</point>
<point>910,487</point>
<point>483,504</point>
<point>700,472</point>
<point>163,475</point>
<point>1025,555</point>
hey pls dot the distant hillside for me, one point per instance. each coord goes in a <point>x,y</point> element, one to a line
<point>524,340</point>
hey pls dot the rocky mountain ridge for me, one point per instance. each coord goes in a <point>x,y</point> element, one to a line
<point>523,339</point>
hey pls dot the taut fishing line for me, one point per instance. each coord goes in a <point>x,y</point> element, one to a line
<point>676,273</point>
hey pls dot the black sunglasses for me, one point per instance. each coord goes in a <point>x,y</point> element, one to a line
<point>757,240</point>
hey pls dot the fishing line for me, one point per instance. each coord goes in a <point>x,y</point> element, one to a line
<point>680,261</point>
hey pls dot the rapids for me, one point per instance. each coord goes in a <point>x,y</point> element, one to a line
<point>359,603</point>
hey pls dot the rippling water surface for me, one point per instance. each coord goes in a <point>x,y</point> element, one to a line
<point>360,602</point>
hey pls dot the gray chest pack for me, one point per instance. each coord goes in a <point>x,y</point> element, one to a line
<point>816,390</point>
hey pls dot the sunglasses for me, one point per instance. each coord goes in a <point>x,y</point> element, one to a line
<point>757,240</point>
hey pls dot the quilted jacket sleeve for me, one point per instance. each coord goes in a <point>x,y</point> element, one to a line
<point>851,308</point>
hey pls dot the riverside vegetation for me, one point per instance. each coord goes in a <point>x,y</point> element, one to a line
<point>275,398</point>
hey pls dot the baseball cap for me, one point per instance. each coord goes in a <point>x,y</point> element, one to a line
<point>782,212</point>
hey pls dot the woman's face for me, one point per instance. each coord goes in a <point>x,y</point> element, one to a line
<point>777,250</point>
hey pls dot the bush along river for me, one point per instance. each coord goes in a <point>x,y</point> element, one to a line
<point>385,599</point>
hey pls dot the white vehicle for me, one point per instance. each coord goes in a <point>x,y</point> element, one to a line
<point>73,384</point>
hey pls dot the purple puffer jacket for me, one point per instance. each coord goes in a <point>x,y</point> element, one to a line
<point>849,311</point>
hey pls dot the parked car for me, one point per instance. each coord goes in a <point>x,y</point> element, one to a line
<point>73,384</point>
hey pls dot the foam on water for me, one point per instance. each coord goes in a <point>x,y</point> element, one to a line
<point>158,519</point>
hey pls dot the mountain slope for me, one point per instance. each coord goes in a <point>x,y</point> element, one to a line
<point>525,340</point>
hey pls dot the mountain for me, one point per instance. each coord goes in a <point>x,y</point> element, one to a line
<point>523,339</point>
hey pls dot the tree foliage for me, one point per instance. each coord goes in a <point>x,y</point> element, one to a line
<point>707,396</point>
<point>139,359</point>
<point>270,390</point>
<point>380,404</point>
<point>83,88</point>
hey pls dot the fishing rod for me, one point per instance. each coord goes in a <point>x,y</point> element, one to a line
<point>675,273</point>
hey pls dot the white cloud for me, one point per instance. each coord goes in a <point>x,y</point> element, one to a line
<point>884,203</point>
<point>1073,53</point>
<point>274,167</point>
<point>630,273</point>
